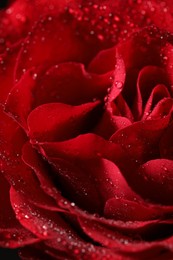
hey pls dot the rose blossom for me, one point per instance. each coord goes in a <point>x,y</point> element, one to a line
<point>86,129</point>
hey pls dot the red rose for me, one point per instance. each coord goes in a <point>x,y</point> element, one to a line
<point>86,130</point>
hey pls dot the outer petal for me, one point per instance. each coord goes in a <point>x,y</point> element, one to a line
<point>15,171</point>
<point>12,234</point>
<point>68,83</point>
<point>43,39</point>
<point>7,65</point>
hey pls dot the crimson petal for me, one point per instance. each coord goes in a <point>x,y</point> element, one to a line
<point>12,234</point>
<point>141,139</point>
<point>42,39</point>
<point>156,175</point>
<point>7,65</point>
<point>62,121</point>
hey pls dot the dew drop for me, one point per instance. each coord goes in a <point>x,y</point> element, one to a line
<point>119,84</point>
<point>116,18</point>
<point>50,18</point>
<point>76,251</point>
<point>34,76</point>
<point>100,37</point>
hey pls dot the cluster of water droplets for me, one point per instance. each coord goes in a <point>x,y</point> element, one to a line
<point>108,22</point>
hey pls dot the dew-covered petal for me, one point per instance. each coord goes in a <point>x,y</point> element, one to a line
<point>158,93</point>
<point>167,54</point>
<point>41,168</point>
<point>76,182</point>
<point>121,108</point>
<point>130,210</point>
<point>12,234</point>
<point>104,174</point>
<point>163,108</point>
<point>19,175</point>
<point>148,78</point>
<point>112,122</point>
<point>7,65</point>
<point>46,225</point>
<point>95,146</point>
<point>70,83</point>
<point>23,179</point>
<point>128,241</point>
<point>43,223</point>
<point>22,90</point>
<point>43,39</point>
<point>156,175</point>
<point>141,139</point>
<point>143,49</point>
<point>117,80</point>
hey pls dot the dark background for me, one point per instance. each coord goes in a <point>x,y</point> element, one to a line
<point>7,253</point>
<point>4,3</point>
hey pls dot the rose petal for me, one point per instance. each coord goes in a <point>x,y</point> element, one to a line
<point>104,61</point>
<point>156,175</point>
<point>12,234</point>
<point>113,123</point>
<point>41,168</point>
<point>62,121</point>
<point>43,40</point>
<point>141,139</point>
<point>148,78</point>
<point>67,83</point>
<point>49,253</point>
<point>46,225</point>
<point>120,107</point>
<point>162,109</point>
<point>126,210</point>
<point>76,183</point>
<point>70,83</point>
<point>14,105</point>
<point>114,237</point>
<point>7,64</point>
<point>73,149</point>
<point>15,171</point>
<point>166,143</point>
<point>143,49</point>
<point>158,93</point>
<point>118,80</point>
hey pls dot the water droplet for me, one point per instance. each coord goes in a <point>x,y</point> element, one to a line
<point>116,18</point>
<point>76,251</point>
<point>119,84</point>
<point>100,37</point>
<point>34,76</point>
